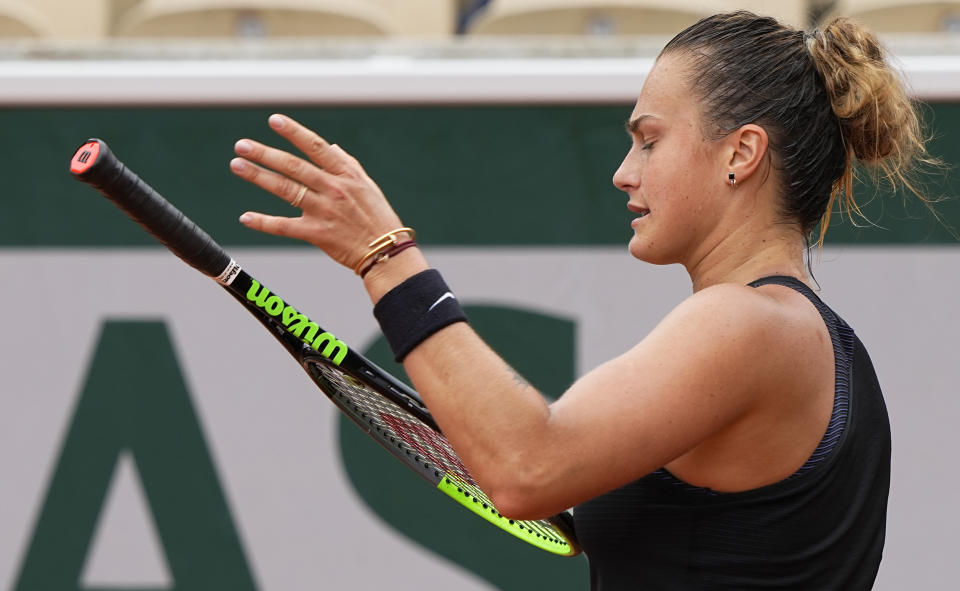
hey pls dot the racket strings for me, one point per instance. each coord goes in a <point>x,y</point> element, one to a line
<point>422,445</point>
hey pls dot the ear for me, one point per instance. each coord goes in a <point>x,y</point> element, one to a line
<point>748,150</point>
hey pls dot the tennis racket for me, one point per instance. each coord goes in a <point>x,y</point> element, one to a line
<point>381,405</point>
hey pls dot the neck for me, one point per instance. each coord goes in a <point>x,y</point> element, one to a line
<point>746,254</point>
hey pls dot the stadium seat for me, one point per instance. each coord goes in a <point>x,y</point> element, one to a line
<point>616,17</point>
<point>53,18</point>
<point>19,19</point>
<point>902,16</point>
<point>285,18</point>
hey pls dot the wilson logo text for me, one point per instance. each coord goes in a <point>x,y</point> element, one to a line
<point>297,324</point>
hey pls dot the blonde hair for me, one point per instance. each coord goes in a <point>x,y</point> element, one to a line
<point>878,121</point>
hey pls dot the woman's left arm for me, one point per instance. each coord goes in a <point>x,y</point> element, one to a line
<point>697,372</point>
<point>342,211</point>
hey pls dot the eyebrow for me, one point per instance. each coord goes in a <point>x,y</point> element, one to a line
<point>633,125</point>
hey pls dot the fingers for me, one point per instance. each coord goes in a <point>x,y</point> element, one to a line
<point>295,190</point>
<point>271,224</point>
<point>291,172</point>
<point>330,157</point>
<point>342,207</point>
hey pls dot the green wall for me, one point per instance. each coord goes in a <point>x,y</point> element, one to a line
<point>461,175</point>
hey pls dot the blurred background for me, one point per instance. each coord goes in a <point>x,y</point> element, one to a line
<point>152,437</point>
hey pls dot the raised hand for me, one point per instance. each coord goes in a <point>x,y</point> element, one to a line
<point>342,209</point>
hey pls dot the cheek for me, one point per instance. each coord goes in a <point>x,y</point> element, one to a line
<point>671,185</point>
<point>674,187</point>
<point>685,182</point>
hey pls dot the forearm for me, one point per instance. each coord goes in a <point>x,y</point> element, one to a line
<point>501,427</point>
<point>495,420</point>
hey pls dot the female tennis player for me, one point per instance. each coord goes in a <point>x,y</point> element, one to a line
<point>743,443</point>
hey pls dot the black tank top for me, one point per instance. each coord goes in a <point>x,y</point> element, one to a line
<point>820,529</point>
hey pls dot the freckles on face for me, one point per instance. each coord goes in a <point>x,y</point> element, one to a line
<point>668,167</point>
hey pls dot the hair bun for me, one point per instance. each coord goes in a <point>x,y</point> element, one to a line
<point>877,118</point>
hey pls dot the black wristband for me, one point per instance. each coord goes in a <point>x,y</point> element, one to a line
<point>415,309</point>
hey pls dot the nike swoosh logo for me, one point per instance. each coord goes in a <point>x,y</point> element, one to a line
<point>445,296</point>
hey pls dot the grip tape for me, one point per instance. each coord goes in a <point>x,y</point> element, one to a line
<point>95,164</point>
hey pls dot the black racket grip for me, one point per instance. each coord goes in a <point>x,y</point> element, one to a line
<point>95,164</point>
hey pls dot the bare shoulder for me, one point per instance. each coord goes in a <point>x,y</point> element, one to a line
<point>774,362</point>
<point>730,311</point>
<point>751,337</point>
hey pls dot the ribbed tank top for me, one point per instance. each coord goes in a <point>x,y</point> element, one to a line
<point>820,529</point>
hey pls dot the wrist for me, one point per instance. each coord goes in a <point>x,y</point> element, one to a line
<point>390,273</point>
<point>414,310</point>
<point>383,246</point>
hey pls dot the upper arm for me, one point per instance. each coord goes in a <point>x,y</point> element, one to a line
<point>699,371</point>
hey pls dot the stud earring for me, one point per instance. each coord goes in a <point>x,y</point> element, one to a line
<point>732,178</point>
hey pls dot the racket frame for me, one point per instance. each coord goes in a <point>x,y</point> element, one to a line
<point>317,351</point>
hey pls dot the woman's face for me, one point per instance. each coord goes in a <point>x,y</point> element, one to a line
<point>672,173</point>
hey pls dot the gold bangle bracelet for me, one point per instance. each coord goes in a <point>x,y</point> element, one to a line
<point>391,236</point>
<point>388,240</point>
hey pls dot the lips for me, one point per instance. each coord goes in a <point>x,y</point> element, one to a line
<point>642,211</point>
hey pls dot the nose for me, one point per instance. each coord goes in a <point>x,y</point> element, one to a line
<point>627,176</point>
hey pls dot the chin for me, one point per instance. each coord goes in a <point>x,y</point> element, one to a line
<point>648,254</point>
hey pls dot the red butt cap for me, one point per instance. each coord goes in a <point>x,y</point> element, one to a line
<point>85,157</point>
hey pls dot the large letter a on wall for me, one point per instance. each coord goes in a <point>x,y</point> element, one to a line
<point>135,402</point>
